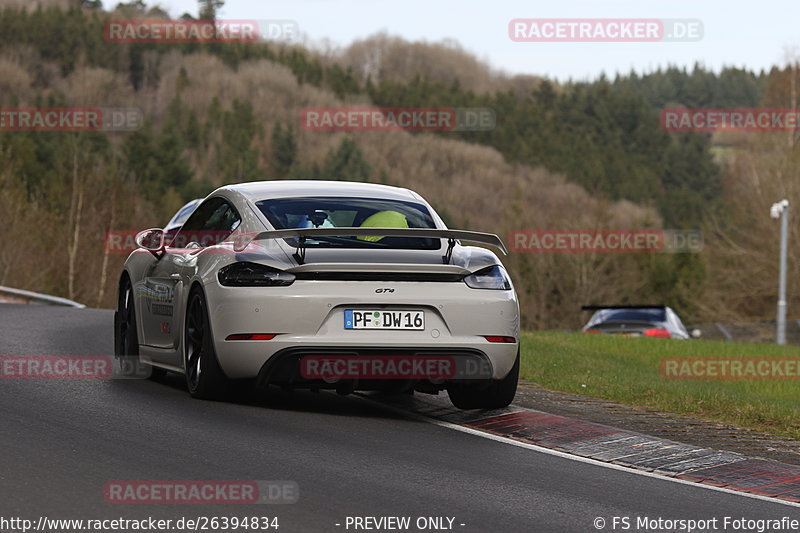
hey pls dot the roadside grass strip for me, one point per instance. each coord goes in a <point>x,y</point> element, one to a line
<point>629,371</point>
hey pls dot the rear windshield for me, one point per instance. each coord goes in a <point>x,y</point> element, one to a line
<point>628,315</point>
<point>337,212</point>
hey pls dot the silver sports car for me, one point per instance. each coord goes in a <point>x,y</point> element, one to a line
<point>322,284</point>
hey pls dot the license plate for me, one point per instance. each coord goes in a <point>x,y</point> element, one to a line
<point>370,319</point>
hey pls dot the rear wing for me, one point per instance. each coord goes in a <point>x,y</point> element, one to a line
<point>423,233</point>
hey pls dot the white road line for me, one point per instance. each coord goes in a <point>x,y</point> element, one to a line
<point>564,455</point>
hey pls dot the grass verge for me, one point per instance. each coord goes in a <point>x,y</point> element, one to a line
<point>628,371</point>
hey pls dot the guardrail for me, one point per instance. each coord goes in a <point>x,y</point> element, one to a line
<point>753,332</point>
<point>19,296</point>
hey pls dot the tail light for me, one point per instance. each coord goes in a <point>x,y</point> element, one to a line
<point>592,332</point>
<point>250,337</point>
<point>660,333</point>
<point>499,338</point>
<point>246,274</point>
<point>493,277</point>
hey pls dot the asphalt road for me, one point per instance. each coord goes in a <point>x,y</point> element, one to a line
<point>62,440</point>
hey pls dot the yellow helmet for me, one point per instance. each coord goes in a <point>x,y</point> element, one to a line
<point>382,219</point>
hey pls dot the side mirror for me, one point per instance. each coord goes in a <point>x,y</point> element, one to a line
<point>151,240</point>
<point>696,333</point>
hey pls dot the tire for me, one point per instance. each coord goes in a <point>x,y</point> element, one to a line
<point>495,395</point>
<point>126,336</point>
<point>204,377</point>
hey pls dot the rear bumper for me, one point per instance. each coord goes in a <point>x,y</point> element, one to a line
<point>284,367</point>
<point>308,318</point>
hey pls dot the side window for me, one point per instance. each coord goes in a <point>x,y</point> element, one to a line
<point>201,215</point>
<point>224,219</point>
<point>211,223</point>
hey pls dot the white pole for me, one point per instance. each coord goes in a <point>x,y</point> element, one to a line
<point>781,209</point>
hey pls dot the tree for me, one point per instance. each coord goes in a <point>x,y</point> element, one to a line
<point>209,8</point>
<point>347,162</point>
<point>156,161</point>
<point>341,81</point>
<point>238,158</point>
<point>284,151</point>
<point>137,5</point>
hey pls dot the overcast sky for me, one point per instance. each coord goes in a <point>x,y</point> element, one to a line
<point>748,34</point>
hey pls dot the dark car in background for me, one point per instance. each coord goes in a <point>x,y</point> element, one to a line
<point>658,321</point>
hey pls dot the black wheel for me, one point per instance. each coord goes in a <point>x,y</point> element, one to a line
<point>494,395</point>
<point>126,338</point>
<point>204,377</point>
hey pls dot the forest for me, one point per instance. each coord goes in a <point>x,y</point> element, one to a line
<point>562,155</point>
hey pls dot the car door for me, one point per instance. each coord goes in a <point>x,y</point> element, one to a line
<point>166,284</point>
<point>212,226</point>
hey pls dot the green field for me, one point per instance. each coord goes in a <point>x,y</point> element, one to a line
<point>628,371</point>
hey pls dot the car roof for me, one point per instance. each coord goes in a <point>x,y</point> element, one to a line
<point>260,190</point>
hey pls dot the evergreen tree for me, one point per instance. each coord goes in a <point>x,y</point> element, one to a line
<point>156,161</point>
<point>284,151</point>
<point>347,163</point>
<point>209,8</point>
<point>238,159</point>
